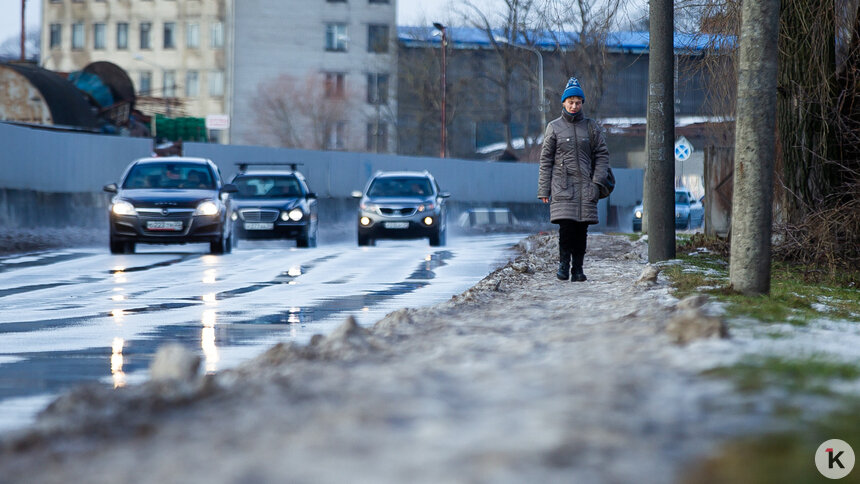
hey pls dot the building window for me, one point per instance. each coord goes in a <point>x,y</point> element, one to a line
<point>145,34</point>
<point>377,88</point>
<point>168,84</point>
<point>335,84</point>
<point>192,84</point>
<point>56,39</point>
<point>336,37</point>
<point>216,35</point>
<point>334,135</point>
<point>145,85</point>
<point>377,137</point>
<point>169,35</point>
<point>78,36</point>
<point>377,38</point>
<point>122,36</point>
<point>192,35</point>
<point>216,83</point>
<point>99,33</point>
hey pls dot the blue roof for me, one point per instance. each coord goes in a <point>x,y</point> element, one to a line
<point>637,42</point>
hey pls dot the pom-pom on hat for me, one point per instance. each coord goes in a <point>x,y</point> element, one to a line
<point>572,89</point>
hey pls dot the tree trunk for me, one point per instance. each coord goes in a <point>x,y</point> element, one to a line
<point>807,67</point>
<point>660,175</point>
<point>752,204</point>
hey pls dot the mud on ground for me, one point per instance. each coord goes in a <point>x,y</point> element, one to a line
<point>522,378</point>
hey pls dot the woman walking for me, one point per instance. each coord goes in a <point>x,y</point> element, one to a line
<point>574,165</point>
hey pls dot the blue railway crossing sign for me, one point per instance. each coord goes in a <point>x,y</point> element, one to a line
<point>683,149</point>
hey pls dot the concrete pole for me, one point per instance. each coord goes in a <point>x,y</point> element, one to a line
<point>23,35</point>
<point>752,201</point>
<point>660,175</point>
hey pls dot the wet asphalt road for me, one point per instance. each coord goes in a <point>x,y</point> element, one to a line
<point>74,316</point>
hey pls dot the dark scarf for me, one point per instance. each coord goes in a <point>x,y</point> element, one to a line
<point>571,118</point>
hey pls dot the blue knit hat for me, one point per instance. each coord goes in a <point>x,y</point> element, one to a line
<point>572,89</point>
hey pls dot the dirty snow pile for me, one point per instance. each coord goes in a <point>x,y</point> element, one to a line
<point>522,378</point>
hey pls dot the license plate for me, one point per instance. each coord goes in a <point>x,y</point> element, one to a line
<point>259,225</point>
<point>396,225</point>
<point>170,225</point>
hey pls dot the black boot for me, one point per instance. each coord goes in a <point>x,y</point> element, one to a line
<point>563,265</point>
<point>578,275</point>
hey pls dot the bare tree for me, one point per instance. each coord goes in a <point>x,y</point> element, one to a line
<point>303,113</point>
<point>512,24</point>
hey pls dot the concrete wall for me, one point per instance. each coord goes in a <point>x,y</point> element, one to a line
<point>56,178</point>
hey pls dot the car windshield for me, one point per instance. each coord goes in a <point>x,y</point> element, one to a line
<point>169,175</point>
<point>267,187</point>
<point>400,187</point>
<point>681,197</point>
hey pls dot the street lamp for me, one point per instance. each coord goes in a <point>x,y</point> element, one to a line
<point>503,40</point>
<point>140,58</point>
<point>443,150</point>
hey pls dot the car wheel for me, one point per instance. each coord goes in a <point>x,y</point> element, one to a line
<point>689,222</point>
<point>219,246</point>
<point>364,240</point>
<point>117,247</point>
<point>438,239</point>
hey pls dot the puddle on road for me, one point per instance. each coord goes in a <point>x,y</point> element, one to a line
<point>165,263</point>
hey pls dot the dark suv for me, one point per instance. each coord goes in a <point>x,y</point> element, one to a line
<point>402,205</point>
<point>171,200</point>
<point>275,204</point>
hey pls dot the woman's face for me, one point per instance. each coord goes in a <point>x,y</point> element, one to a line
<point>572,104</point>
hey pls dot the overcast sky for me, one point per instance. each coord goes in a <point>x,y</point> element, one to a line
<point>409,12</point>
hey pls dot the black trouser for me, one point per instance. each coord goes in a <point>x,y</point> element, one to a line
<point>571,240</point>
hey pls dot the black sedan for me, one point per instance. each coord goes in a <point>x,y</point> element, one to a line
<point>275,204</point>
<point>172,200</point>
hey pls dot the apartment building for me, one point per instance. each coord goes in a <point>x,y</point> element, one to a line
<point>318,74</point>
<point>175,51</point>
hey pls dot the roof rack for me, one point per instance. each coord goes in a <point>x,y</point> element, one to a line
<point>243,166</point>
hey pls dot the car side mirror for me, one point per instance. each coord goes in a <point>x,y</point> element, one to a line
<point>229,188</point>
<point>310,195</point>
<point>110,188</point>
<point>444,195</point>
<point>355,194</point>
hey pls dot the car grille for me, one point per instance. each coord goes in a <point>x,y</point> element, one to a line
<point>259,215</point>
<point>403,212</point>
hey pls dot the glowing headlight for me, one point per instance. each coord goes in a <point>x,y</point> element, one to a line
<point>637,214</point>
<point>234,216</point>
<point>364,221</point>
<point>370,207</point>
<point>428,220</point>
<point>123,208</point>
<point>429,206</point>
<point>207,208</point>
<point>296,214</point>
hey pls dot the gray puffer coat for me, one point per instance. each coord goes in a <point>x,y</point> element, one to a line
<point>571,166</point>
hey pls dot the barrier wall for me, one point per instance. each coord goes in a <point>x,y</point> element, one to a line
<point>56,178</point>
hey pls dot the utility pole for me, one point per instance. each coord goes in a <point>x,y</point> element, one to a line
<point>23,36</point>
<point>443,151</point>
<point>752,204</point>
<point>660,173</point>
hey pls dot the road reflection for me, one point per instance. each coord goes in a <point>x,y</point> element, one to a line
<point>207,341</point>
<point>116,362</point>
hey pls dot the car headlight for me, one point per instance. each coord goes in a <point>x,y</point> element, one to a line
<point>370,207</point>
<point>296,214</point>
<point>637,214</point>
<point>123,208</point>
<point>426,206</point>
<point>234,216</point>
<point>207,208</point>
